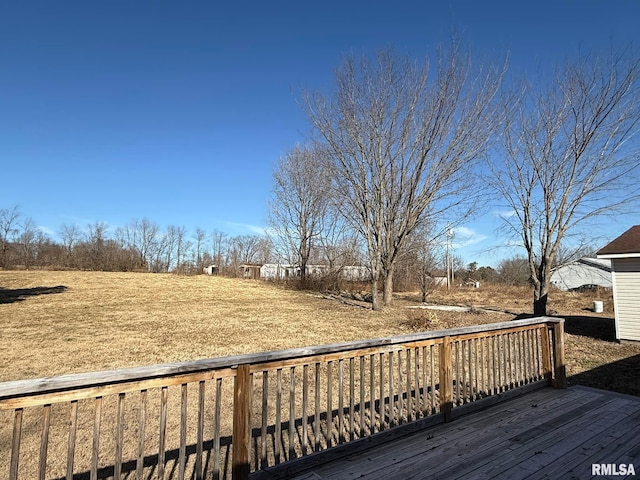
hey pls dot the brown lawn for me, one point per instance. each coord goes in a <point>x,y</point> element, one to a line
<point>68,322</point>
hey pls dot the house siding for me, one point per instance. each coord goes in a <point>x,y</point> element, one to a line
<point>627,300</point>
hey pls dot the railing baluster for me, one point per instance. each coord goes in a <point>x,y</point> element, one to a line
<point>182,455</point>
<point>44,442</point>
<point>95,450</point>
<point>340,401</point>
<point>424,404</point>
<point>142,420</point>
<point>216,429</point>
<point>200,430</point>
<point>416,379</point>
<point>407,404</point>
<point>265,413</point>
<point>330,404</point>
<point>400,390</point>
<point>392,416</point>
<point>433,378</point>
<point>292,411</point>
<point>362,399</point>
<point>164,394</point>
<point>372,389</point>
<point>73,427</point>
<point>278,431</point>
<point>15,444</point>
<point>381,404</point>
<point>464,347</point>
<point>351,399</point>
<point>316,430</point>
<point>305,406</point>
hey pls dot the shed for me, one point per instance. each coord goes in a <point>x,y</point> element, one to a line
<point>211,270</point>
<point>624,253</point>
<point>581,273</point>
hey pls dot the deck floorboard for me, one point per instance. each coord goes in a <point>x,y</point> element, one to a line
<point>544,434</point>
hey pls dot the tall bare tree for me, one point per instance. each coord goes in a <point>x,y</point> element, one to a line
<point>219,244</point>
<point>71,236</point>
<point>570,157</point>
<point>299,202</point>
<point>28,239</point>
<point>404,139</point>
<point>199,236</point>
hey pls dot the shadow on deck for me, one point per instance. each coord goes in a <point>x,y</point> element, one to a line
<point>548,433</point>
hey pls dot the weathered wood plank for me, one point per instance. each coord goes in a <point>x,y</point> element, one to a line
<point>446,397</point>
<point>278,434</point>
<point>107,390</point>
<point>292,412</point>
<point>15,444</point>
<point>241,423</point>
<point>182,452</point>
<point>200,430</point>
<point>217,429</point>
<point>305,408</point>
<point>95,450</point>
<point>560,373</point>
<point>142,420</point>
<point>316,418</point>
<point>71,446</point>
<point>164,395</point>
<point>265,414</point>
<point>44,442</point>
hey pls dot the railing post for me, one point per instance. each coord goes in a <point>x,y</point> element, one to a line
<point>560,373</point>
<point>546,355</point>
<point>446,387</point>
<point>241,423</point>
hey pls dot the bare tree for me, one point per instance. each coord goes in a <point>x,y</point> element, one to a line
<point>299,201</point>
<point>9,218</point>
<point>569,157</point>
<point>28,239</point>
<point>404,143</point>
<point>219,243</point>
<point>96,238</point>
<point>199,236</point>
<point>71,236</point>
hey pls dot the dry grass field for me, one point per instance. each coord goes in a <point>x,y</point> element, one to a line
<point>55,323</point>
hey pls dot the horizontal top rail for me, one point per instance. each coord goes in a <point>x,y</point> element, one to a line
<point>39,386</point>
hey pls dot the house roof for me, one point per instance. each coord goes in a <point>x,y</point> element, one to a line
<point>627,243</point>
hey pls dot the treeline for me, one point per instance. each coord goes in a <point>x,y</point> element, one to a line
<point>140,245</point>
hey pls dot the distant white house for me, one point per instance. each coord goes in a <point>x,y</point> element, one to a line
<point>584,272</point>
<point>282,271</point>
<point>355,273</point>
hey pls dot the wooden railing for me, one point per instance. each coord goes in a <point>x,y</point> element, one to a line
<point>228,417</point>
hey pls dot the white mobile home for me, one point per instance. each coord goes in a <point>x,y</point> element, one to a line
<point>584,272</point>
<point>624,253</point>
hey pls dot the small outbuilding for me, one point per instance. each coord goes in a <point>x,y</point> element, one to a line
<point>583,273</point>
<point>624,253</point>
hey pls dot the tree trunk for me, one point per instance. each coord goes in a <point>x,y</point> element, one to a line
<point>388,288</point>
<point>375,301</point>
<point>540,295</point>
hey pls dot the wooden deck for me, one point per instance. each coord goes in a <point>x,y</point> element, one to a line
<point>548,433</point>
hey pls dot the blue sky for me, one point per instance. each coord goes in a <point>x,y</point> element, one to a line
<point>177,111</point>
